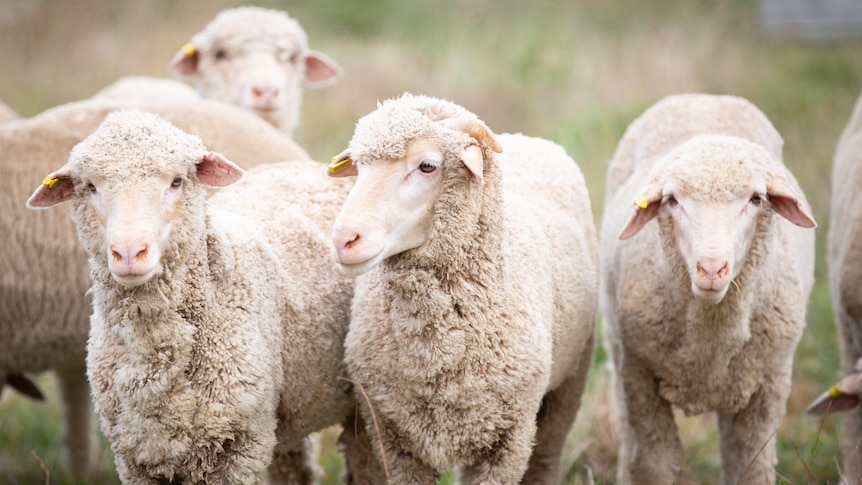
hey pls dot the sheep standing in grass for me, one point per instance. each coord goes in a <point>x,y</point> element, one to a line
<point>217,324</point>
<point>257,59</point>
<point>44,312</point>
<point>845,280</point>
<point>705,280</point>
<point>472,325</point>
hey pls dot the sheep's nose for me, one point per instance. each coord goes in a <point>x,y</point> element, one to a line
<point>129,254</point>
<point>712,270</point>
<point>343,243</point>
<point>265,93</point>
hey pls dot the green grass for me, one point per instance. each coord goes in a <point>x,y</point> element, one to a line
<point>574,72</point>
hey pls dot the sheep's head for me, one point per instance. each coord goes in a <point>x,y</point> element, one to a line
<point>402,155</point>
<point>716,191</point>
<point>132,182</point>
<point>257,59</point>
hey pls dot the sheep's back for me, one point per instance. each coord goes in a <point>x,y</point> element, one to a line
<point>676,119</point>
<point>544,188</point>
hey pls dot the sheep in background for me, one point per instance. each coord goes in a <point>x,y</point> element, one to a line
<point>217,323</point>
<point>844,257</point>
<point>472,326</point>
<point>257,59</point>
<point>705,281</point>
<point>44,313</point>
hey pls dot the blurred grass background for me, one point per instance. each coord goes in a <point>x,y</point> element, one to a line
<point>576,72</point>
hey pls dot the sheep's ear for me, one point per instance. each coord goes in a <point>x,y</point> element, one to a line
<point>784,200</point>
<point>475,161</point>
<point>842,396</point>
<point>55,188</point>
<point>185,62</point>
<point>320,70</point>
<point>646,208</point>
<point>217,171</point>
<point>342,165</point>
<point>23,384</point>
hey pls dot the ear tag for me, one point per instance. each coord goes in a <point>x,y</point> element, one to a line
<point>835,390</point>
<point>335,166</point>
<point>50,182</point>
<point>188,50</point>
<point>641,201</point>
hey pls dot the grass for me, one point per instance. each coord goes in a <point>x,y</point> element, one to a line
<point>574,72</point>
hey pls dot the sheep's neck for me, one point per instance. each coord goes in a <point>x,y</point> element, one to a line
<point>457,270</point>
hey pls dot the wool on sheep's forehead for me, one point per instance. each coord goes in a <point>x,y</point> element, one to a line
<point>236,28</point>
<point>718,168</point>
<point>385,133</point>
<point>134,141</point>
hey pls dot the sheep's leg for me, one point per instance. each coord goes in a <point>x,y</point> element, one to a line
<point>361,465</point>
<point>294,467</point>
<point>79,433</point>
<point>509,463</point>
<point>748,437</point>
<point>650,448</point>
<point>555,419</point>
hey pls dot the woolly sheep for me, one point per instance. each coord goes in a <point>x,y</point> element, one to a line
<point>44,312</point>
<point>257,59</point>
<point>844,256</point>
<point>472,326</point>
<point>703,307</point>
<point>217,324</point>
<point>132,88</point>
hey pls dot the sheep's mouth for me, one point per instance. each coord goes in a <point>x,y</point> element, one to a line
<point>710,295</point>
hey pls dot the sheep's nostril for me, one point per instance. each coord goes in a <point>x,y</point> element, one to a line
<point>142,254</point>
<point>352,242</point>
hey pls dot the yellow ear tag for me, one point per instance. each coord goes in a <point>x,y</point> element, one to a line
<point>835,390</point>
<point>50,182</point>
<point>334,167</point>
<point>641,201</point>
<point>188,50</point>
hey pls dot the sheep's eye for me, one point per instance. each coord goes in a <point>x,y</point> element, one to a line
<point>91,187</point>
<point>427,167</point>
<point>756,199</point>
<point>220,54</point>
<point>177,182</point>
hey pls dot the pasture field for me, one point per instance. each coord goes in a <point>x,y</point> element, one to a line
<point>573,71</point>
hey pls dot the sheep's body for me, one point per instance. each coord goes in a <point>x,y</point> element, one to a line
<point>845,274</point>
<point>132,88</point>
<point>44,313</point>
<point>682,334</point>
<point>257,59</point>
<point>458,342</point>
<point>222,337</point>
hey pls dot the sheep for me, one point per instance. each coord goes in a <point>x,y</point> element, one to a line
<point>473,317</point>
<point>258,59</point>
<point>44,312</point>
<point>844,254</point>
<point>704,307</point>
<point>132,88</point>
<point>217,323</point>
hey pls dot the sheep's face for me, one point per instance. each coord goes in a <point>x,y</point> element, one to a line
<point>254,58</point>
<point>711,196</point>
<point>133,183</point>
<point>389,208</point>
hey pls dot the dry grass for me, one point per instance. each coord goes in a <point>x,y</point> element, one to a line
<point>573,72</point>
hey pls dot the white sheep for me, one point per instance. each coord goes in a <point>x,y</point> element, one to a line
<point>44,313</point>
<point>705,280</point>
<point>217,323</point>
<point>844,257</point>
<point>257,59</point>
<point>472,326</point>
